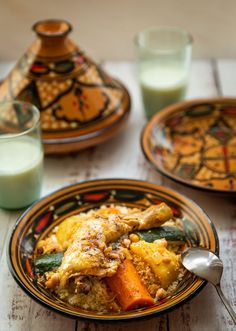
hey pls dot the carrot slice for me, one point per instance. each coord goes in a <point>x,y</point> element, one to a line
<point>128,287</point>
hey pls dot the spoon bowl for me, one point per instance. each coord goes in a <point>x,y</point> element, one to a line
<point>203,263</point>
<point>207,265</point>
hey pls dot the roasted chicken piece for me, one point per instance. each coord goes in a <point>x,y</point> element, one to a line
<point>90,251</point>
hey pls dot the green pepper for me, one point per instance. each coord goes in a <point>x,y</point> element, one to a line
<point>48,262</point>
<point>170,233</point>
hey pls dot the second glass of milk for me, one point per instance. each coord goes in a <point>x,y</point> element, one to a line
<point>164,56</point>
<point>21,155</point>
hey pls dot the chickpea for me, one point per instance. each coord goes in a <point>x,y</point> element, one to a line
<point>161,293</point>
<point>126,243</point>
<point>53,281</point>
<point>108,249</point>
<point>134,237</point>
<point>102,246</point>
<point>113,256</point>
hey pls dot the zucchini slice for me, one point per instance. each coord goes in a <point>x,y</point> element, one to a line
<point>170,233</point>
<point>48,262</point>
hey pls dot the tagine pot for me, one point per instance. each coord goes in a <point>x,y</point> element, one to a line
<point>80,105</point>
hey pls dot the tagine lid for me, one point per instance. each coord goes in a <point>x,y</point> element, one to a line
<point>80,105</point>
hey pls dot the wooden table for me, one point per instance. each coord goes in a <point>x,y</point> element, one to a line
<point>122,157</point>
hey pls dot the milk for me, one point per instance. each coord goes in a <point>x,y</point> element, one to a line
<point>161,86</point>
<point>21,167</point>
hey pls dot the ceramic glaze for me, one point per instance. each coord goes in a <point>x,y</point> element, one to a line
<point>20,181</point>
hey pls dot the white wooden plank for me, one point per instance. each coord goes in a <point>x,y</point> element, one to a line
<point>154,324</point>
<point>201,80</point>
<point>227,70</point>
<point>5,218</point>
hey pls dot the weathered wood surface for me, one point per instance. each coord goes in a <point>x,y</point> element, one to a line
<point>122,157</point>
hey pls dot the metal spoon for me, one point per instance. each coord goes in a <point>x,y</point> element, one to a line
<point>208,266</point>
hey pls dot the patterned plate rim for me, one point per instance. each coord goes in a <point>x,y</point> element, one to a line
<point>113,318</point>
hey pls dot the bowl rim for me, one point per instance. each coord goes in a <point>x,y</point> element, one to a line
<point>162,114</point>
<point>113,318</point>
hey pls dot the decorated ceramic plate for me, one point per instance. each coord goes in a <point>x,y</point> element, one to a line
<point>194,143</point>
<point>39,220</point>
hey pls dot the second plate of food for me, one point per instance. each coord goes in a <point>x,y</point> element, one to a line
<point>194,143</point>
<point>109,249</point>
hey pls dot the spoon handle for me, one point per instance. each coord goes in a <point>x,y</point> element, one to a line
<point>226,303</point>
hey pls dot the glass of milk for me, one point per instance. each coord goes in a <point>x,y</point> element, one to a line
<point>164,56</point>
<point>21,155</point>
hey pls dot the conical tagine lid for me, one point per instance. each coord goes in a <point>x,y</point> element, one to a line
<point>80,104</point>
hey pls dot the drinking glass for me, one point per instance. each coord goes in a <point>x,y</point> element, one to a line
<point>21,155</point>
<point>164,56</point>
